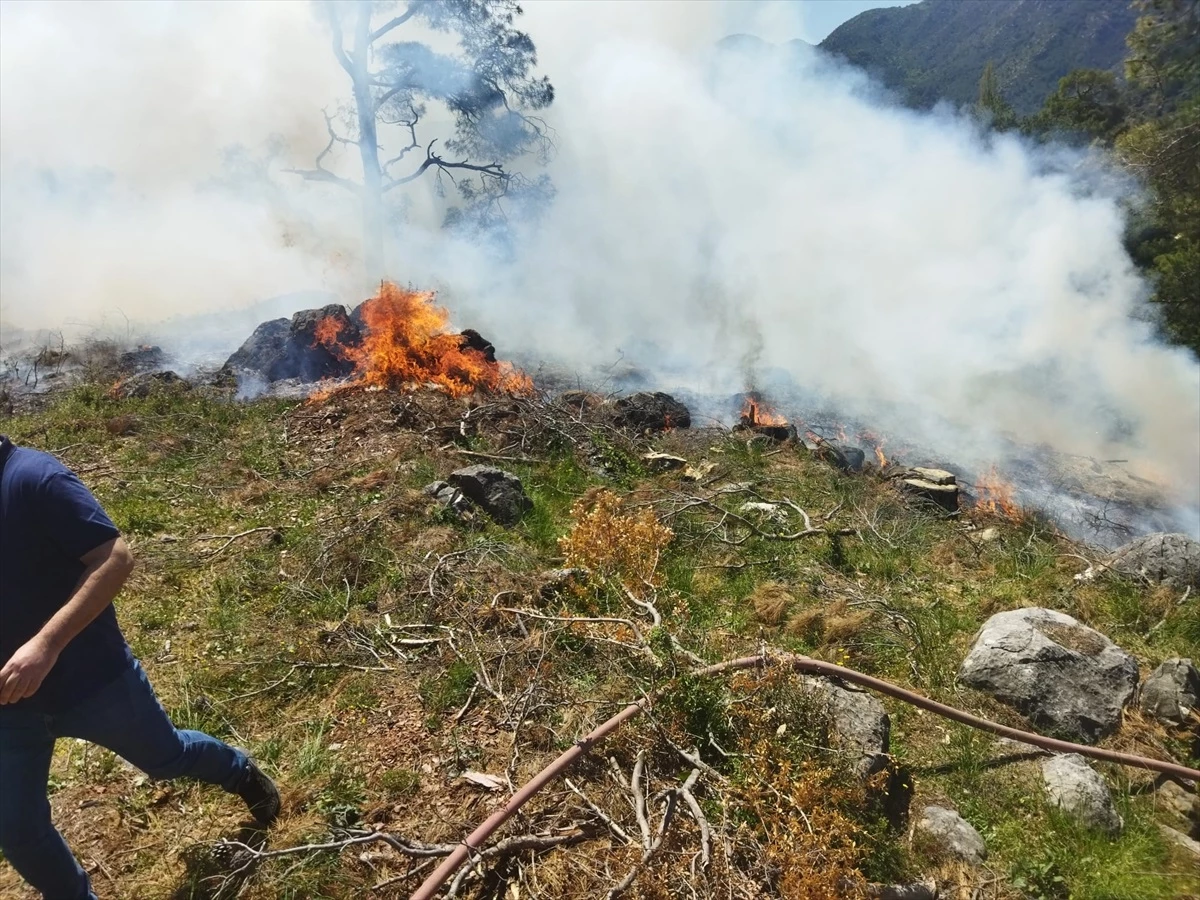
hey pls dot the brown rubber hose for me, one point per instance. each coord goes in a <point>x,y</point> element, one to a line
<point>475,840</point>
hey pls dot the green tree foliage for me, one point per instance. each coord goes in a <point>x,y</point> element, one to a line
<point>991,107</point>
<point>1152,123</point>
<point>1088,104</point>
<point>1164,52</point>
<point>1164,147</point>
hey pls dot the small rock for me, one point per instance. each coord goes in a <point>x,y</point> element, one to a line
<point>663,462</point>
<point>848,459</point>
<point>1170,559</point>
<point>557,581</point>
<point>765,510</point>
<point>647,411</point>
<point>989,534</point>
<point>498,493</point>
<point>448,496</point>
<point>1067,678</point>
<point>1171,691</point>
<point>954,834</point>
<point>1180,840</point>
<point>470,339</point>
<point>934,476</point>
<point>944,496</point>
<point>1178,800</point>
<point>917,890</point>
<point>1078,789</point>
<point>860,724</point>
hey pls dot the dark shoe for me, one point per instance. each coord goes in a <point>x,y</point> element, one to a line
<point>260,794</point>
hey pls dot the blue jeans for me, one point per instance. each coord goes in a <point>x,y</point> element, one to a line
<point>123,716</point>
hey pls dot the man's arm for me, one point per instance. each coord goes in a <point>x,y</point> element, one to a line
<point>107,568</point>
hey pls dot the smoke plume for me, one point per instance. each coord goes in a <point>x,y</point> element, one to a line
<point>725,218</point>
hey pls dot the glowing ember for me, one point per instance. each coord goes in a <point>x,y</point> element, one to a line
<point>407,340</point>
<point>996,496</point>
<point>755,413</point>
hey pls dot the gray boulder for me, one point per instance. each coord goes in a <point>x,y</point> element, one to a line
<point>860,724</point>
<point>498,493</point>
<point>954,834</point>
<point>1171,691</point>
<point>1170,559</point>
<point>281,349</point>
<point>1077,789</point>
<point>1065,677</point>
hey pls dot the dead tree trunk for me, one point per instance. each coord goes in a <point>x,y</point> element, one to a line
<point>368,149</point>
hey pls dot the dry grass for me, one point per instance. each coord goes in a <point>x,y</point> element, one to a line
<point>771,602</point>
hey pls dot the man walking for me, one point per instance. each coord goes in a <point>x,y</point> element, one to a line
<point>66,671</point>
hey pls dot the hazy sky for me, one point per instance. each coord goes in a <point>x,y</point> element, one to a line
<point>809,20</point>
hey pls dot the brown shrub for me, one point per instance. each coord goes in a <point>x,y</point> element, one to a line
<point>371,480</point>
<point>122,425</point>
<point>828,625</point>
<point>613,543</point>
<point>771,602</point>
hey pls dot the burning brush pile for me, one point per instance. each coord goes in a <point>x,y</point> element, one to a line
<point>397,338</point>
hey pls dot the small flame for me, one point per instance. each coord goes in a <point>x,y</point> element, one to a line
<point>997,497</point>
<point>876,442</point>
<point>754,412</point>
<point>407,340</point>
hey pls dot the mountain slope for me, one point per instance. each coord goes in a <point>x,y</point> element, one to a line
<point>936,49</point>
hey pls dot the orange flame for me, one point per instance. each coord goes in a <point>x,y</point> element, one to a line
<point>756,413</point>
<point>996,496</point>
<point>877,443</point>
<point>407,340</point>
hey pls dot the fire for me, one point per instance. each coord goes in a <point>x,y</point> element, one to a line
<point>754,412</point>
<point>996,496</point>
<point>407,340</point>
<point>876,442</point>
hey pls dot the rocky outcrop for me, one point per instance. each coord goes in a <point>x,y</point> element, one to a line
<point>650,412</point>
<point>498,493</point>
<point>1068,679</point>
<point>1171,692</point>
<point>1170,559</point>
<point>861,725</point>
<point>953,834</point>
<point>1077,789</point>
<point>281,348</point>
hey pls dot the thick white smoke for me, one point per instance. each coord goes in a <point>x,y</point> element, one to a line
<point>720,218</point>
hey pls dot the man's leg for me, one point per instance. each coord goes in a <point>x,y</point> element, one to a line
<point>127,718</point>
<point>27,836</point>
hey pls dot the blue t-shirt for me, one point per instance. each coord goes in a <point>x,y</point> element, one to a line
<point>48,520</point>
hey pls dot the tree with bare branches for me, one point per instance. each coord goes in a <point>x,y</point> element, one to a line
<point>482,96</point>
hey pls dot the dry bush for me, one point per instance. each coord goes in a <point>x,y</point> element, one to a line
<point>802,812</point>
<point>123,425</point>
<point>830,624</point>
<point>371,480</point>
<point>771,602</point>
<point>613,543</point>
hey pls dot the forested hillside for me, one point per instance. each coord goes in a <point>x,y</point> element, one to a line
<point>934,50</point>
